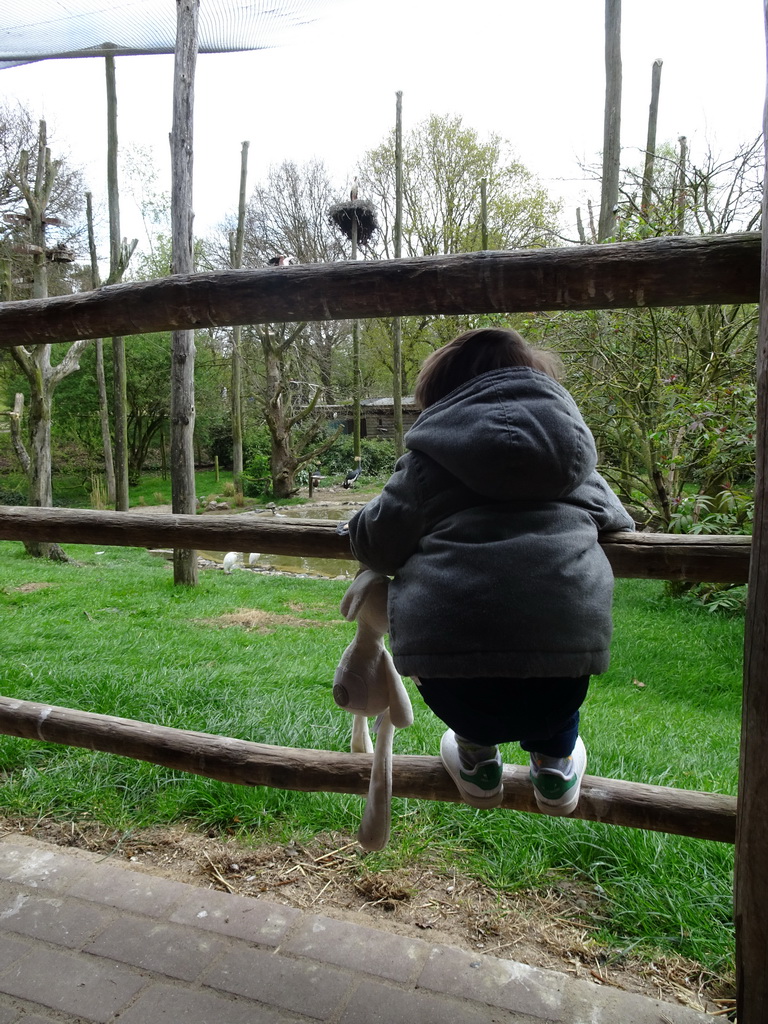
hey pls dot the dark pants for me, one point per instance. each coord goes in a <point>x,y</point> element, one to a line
<point>541,715</point>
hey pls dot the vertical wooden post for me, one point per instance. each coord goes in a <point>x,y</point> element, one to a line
<point>120,403</point>
<point>356,381</point>
<point>182,262</point>
<point>484,214</point>
<point>236,398</point>
<point>612,121</point>
<point>650,146</point>
<point>101,383</point>
<point>397,324</point>
<point>751,884</point>
<point>680,192</point>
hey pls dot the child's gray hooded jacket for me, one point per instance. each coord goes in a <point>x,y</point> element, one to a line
<point>489,526</point>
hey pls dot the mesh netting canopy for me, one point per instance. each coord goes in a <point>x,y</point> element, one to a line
<point>32,30</point>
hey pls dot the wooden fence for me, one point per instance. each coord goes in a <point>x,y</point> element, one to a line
<point>678,271</point>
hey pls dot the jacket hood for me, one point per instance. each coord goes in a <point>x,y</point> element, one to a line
<point>511,434</point>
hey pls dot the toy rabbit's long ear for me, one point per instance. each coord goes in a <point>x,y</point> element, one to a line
<point>373,833</point>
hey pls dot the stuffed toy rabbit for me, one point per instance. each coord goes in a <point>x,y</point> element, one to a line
<point>367,683</point>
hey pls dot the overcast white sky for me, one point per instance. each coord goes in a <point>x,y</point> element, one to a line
<point>530,70</point>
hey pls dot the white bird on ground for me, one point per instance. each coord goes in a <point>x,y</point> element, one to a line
<point>231,559</point>
<point>254,557</point>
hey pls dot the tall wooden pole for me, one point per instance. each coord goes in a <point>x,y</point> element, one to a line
<point>236,398</point>
<point>751,883</point>
<point>356,381</point>
<point>397,325</point>
<point>119,374</point>
<point>650,147</point>
<point>182,262</point>
<point>680,196</point>
<point>101,384</point>
<point>484,214</point>
<point>612,121</point>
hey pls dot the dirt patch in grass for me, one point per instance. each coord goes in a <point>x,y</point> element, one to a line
<point>550,928</point>
<point>259,621</point>
<point>29,588</point>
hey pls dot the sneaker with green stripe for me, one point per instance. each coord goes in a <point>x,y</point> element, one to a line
<point>557,780</point>
<point>481,785</point>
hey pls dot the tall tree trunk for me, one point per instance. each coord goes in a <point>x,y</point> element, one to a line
<point>356,379</point>
<point>118,260</point>
<point>183,359</point>
<point>101,384</point>
<point>282,463</point>
<point>612,121</point>
<point>751,888</point>
<point>236,397</point>
<point>397,326</point>
<point>106,436</point>
<point>680,192</point>
<point>650,147</point>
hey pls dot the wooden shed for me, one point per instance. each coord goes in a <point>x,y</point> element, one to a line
<point>377,416</point>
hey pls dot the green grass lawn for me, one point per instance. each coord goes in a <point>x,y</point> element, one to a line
<point>111,634</point>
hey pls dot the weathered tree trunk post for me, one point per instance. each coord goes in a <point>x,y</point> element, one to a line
<point>115,275</point>
<point>101,384</point>
<point>751,881</point>
<point>580,227</point>
<point>36,365</point>
<point>356,382</point>
<point>650,146</point>
<point>183,359</point>
<point>680,191</point>
<point>609,196</point>
<point>236,397</point>
<point>484,214</point>
<point>397,324</point>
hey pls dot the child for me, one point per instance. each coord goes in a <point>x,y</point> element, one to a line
<point>500,606</point>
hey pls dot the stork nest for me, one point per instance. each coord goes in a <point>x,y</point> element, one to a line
<point>344,215</point>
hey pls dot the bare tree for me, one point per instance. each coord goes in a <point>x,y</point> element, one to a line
<point>36,186</point>
<point>289,368</point>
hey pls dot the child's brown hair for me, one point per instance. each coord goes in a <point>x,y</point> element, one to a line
<point>473,353</point>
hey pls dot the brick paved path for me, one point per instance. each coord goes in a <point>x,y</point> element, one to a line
<point>84,939</point>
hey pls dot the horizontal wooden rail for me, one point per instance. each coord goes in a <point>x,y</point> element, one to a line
<point>639,555</point>
<point>635,555</point>
<point>657,272</point>
<point>658,808</point>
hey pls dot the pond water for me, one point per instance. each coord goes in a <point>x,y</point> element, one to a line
<point>327,568</point>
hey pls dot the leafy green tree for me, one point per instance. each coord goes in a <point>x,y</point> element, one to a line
<point>670,393</point>
<point>446,168</point>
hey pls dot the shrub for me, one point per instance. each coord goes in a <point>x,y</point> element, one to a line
<point>729,512</point>
<point>12,496</point>
<point>257,477</point>
<point>257,464</point>
<point>377,456</point>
